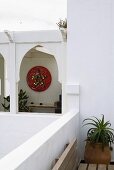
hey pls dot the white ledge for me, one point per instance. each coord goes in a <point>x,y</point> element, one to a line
<point>32,36</point>
<point>15,158</point>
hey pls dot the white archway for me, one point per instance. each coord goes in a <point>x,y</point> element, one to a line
<point>39,55</point>
<point>4,83</point>
<point>53,49</point>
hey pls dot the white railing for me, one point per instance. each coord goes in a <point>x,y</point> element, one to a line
<point>38,152</point>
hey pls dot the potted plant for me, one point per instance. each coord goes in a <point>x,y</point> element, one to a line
<point>99,139</point>
<point>62,24</point>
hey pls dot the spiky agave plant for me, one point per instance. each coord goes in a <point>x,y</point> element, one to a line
<point>100,131</point>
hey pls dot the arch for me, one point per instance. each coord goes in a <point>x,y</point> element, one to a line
<point>38,55</point>
<point>40,48</point>
<point>4,51</point>
<point>25,48</point>
<point>4,88</point>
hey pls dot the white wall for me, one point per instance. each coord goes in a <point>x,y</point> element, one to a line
<point>91,56</point>
<point>40,152</point>
<point>66,129</point>
<point>37,58</point>
<point>2,82</point>
<point>16,129</point>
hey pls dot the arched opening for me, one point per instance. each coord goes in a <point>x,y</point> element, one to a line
<point>44,92</point>
<point>4,87</point>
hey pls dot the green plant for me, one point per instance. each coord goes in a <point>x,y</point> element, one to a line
<point>62,23</point>
<point>100,131</point>
<point>6,104</point>
<point>22,102</point>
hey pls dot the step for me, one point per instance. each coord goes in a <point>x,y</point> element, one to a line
<point>84,166</point>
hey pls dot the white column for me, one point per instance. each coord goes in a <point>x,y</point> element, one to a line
<point>13,98</point>
<point>64,96</point>
<point>6,80</point>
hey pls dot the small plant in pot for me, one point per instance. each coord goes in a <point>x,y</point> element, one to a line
<point>62,24</point>
<point>99,139</point>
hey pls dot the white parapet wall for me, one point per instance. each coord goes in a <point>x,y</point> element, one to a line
<point>40,151</point>
<point>15,129</point>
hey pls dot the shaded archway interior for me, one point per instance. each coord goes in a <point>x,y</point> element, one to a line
<point>39,56</point>
<point>1,82</point>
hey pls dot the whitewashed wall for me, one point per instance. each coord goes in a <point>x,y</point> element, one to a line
<point>16,129</point>
<point>40,59</point>
<point>91,56</point>
<point>40,151</point>
<point>56,136</point>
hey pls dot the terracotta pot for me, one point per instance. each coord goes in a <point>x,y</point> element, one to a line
<point>94,153</point>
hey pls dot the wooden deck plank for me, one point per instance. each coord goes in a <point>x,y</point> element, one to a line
<point>111,167</point>
<point>92,167</point>
<point>67,160</point>
<point>66,157</point>
<point>71,164</point>
<point>102,167</point>
<point>82,167</point>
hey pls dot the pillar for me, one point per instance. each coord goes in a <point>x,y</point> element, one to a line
<point>13,98</point>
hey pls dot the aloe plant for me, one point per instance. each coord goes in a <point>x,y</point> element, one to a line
<point>100,131</point>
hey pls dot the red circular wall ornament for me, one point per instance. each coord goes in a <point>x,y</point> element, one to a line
<point>39,78</point>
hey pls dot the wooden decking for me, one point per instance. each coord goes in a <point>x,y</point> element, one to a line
<point>84,166</point>
<point>67,160</point>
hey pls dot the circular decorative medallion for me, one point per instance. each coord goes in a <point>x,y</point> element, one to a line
<point>39,78</point>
